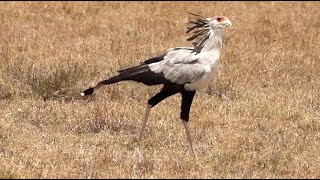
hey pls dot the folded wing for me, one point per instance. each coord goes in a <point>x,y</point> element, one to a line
<point>180,66</point>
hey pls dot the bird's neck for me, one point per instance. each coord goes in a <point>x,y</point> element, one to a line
<point>214,42</point>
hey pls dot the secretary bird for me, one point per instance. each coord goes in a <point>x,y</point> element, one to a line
<point>181,70</point>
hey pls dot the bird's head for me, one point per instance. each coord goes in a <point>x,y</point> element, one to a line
<point>219,22</point>
<point>202,28</point>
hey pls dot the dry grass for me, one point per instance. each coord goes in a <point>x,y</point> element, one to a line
<point>267,127</point>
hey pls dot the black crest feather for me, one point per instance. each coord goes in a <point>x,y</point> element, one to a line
<point>199,30</point>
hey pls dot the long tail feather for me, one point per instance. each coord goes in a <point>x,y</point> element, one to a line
<point>140,73</point>
<point>91,90</point>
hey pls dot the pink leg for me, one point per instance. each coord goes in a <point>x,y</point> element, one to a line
<point>144,121</point>
<point>189,139</point>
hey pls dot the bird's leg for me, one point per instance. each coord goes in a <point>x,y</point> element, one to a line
<point>188,135</point>
<point>187,97</point>
<point>145,120</point>
<point>164,93</point>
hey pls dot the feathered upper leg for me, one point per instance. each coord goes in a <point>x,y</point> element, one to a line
<point>187,97</point>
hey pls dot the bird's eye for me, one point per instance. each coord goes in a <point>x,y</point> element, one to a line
<point>219,19</point>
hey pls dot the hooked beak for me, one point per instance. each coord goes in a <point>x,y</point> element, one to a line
<point>227,23</point>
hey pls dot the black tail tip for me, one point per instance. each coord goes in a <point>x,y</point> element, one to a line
<point>87,92</point>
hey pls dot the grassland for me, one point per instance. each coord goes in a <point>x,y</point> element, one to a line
<point>266,124</point>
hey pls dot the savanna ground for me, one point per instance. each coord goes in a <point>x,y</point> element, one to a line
<point>266,123</point>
